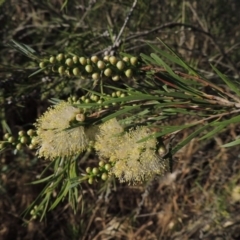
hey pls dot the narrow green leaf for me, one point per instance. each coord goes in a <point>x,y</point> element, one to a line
<point>189,138</point>
<point>230,84</point>
<point>215,131</point>
<point>231,144</point>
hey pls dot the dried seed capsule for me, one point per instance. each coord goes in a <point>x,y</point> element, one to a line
<point>80,117</point>
<point>101,65</point>
<point>133,60</point>
<point>128,73</point>
<point>113,60</point>
<point>83,60</point>
<point>52,59</point>
<point>69,62</point>
<point>89,68</point>
<point>108,72</point>
<point>76,71</point>
<point>120,65</point>
<point>115,78</point>
<point>60,57</point>
<point>61,70</point>
<point>94,59</point>
<point>95,76</point>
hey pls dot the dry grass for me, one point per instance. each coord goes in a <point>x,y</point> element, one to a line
<point>199,199</point>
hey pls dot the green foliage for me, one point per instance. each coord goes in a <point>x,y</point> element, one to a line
<point>115,108</point>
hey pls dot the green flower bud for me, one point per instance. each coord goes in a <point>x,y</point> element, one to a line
<point>88,170</point>
<point>90,180</point>
<point>126,59</point>
<point>101,65</point>
<point>34,141</point>
<point>42,64</point>
<point>19,146</point>
<point>21,133</point>
<point>120,65</point>
<point>83,98</point>
<point>94,59</point>
<point>69,62</point>
<point>133,60</point>
<point>11,139</point>
<point>108,72</point>
<point>87,100</point>
<point>113,60</point>
<point>107,166</point>
<point>30,132</point>
<point>60,57</point>
<point>74,98</point>
<point>95,171</point>
<point>104,176</point>
<point>76,71</point>
<point>128,73</point>
<point>6,136</point>
<point>116,78</point>
<point>101,164</point>
<point>52,59</point>
<point>118,93</point>
<point>123,95</point>
<point>95,76</point>
<point>31,146</point>
<point>24,139</point>
<point>54,69</point>
<point>89,68</point>
<point>106,58</point>
<point>61,70</point>
<point>83,60</point>
<point>75,59</point>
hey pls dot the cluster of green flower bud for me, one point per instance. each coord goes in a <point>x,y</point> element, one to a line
<point>100,172</point>
<point>94,67</point>
<point>36,212</point>
<point>22,140</point>
<point>98,100</point>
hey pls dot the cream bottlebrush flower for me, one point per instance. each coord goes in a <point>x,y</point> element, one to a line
<point>134,161</point>
<point>55,137</point>
<point>137,161</point>
<point>108,138</point>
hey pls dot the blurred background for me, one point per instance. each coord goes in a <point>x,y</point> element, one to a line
<point>200,199</point>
